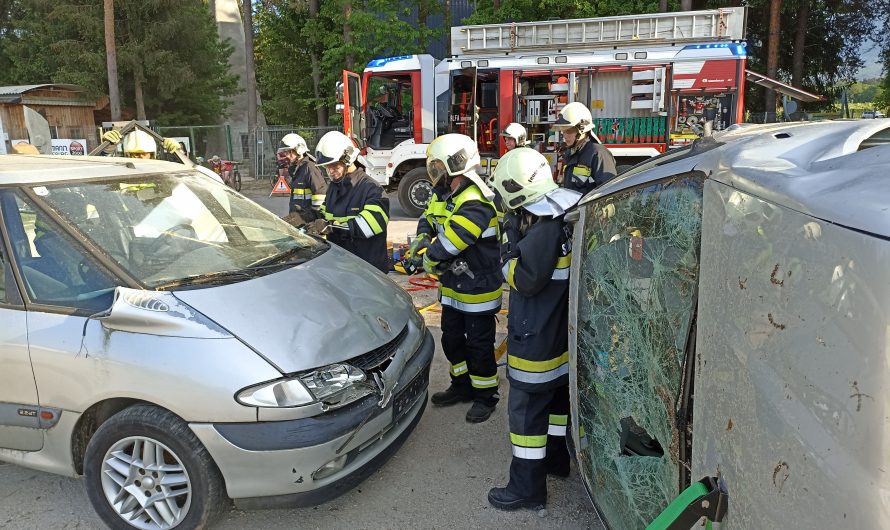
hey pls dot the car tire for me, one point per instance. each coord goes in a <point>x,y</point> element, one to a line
<point>187,491</point>
<point>415,191</point>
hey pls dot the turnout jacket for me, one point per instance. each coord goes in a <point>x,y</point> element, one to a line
<point>358,212</point>
<point>536,266</point>
<point>308,188</point>
<point>464,224</point>
<point>588,167</point>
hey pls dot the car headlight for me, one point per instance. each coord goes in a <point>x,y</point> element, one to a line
<point>334,386</point>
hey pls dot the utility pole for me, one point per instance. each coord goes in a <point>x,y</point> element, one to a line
<point>114,95</point>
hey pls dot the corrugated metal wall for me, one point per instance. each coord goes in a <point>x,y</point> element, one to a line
<point>614,90</point>
<point>460,9</point>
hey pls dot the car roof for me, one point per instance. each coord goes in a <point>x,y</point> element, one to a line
<point>817,168</point>
<point>32,170</point>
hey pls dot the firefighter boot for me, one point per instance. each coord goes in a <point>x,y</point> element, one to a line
<point>480,411</point>
<point>504,499</point>
<point>453,395</point>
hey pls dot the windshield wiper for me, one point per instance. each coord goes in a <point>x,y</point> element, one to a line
<point>202,279</point>
<point>278,257</point>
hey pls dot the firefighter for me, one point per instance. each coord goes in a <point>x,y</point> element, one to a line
<point>586,163</point>
<point>536,254</point>
<point>459,230</point>
<point>308,187</point>
<point>515,136</point>
<point>140,144</point>
<point>354,207</point>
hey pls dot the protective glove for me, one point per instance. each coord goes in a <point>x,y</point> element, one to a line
<point>170,145</point>
<point>318,226</point>
<point>112,137</point>
<point>421,242</point>
<point>434,267</point>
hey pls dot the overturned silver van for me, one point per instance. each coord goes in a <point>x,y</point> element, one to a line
<point>730,318</point>
<point>180,346</point>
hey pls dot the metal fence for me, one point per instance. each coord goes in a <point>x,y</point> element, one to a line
<point>235,143</point>
<point>202,140</point>
<point>268,140</point>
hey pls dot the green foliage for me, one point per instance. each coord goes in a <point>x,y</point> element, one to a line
<point>286,35</point>
<point>864,91</point>
<point>173,45</point>
<point>532,10</point>
<point>283,63</point>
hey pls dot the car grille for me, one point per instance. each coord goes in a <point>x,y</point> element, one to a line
<point>379,356</point>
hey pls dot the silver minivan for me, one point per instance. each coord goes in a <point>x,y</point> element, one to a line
<point>730,323</point>
<point>180,346</point>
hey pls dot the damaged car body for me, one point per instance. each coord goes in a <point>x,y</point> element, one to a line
<point>179,345</point>
<point>729,315</point>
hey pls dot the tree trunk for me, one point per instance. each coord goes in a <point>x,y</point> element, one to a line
<point>321,111</point>
<point>137,91</point>
<point>800,40</point>
<point>497,4</point>
<point>347,34</point>
<point>772,59</point>
<point>685,5</point>
<point>448,27</point>
<point>211,4</point>
<point>663,6</point>
<point>114,95</point>
<point>422,15</point>
<point>251,84</point>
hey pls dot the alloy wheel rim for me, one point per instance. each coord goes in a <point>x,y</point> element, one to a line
<point>146,483</point>
<point>421,193</point>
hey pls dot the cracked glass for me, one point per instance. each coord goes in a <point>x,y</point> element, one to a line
<point>636,298</point>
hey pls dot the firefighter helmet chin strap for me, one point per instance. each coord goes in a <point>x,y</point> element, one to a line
<point>580,142</point>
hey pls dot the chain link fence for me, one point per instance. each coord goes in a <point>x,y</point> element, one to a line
<point>268,140</point>
<point>234,144</point>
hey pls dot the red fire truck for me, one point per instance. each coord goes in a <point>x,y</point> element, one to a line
<point>651,82</point>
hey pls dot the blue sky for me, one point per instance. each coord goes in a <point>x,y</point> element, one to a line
<point>872,67</point>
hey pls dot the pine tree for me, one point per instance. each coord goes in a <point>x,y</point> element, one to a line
<point>172,66</point>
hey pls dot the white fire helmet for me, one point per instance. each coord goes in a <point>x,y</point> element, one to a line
<point>335,146</point>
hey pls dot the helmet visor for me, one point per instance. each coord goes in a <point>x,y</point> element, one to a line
<point>322,159</point>
<point>436,170</point>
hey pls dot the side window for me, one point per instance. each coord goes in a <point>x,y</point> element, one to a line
<point>55,269</point>
<point>636,298</point>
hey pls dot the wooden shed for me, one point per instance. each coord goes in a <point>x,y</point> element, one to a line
<point>66,107</point>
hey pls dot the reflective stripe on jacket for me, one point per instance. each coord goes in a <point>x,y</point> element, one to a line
<point>308,188</point>
<point>464,225</point>
<point>589,167</point>
<point>536,267</point>
<point>356,207</point>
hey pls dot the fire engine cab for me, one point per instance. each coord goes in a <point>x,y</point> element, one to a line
<point>652,82</point>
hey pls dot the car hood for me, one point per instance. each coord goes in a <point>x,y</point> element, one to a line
<point>330,309</point>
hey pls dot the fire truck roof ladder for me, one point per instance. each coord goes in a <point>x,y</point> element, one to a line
<point>726,24</point>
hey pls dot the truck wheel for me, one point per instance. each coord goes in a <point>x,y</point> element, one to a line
<point>415,191</point>
<point>145,469</point>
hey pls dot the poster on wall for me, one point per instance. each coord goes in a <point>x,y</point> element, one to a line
<point>693,110</point>
<point>70,147</point>
<point>184,142</point>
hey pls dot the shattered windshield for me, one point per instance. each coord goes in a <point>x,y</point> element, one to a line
<point>636,298</point>
<point>166,228</point>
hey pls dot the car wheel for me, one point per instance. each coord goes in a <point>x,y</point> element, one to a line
<point>415,191</point>
<point>145,469</point>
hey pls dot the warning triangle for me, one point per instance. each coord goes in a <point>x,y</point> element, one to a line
<point>281,187</point>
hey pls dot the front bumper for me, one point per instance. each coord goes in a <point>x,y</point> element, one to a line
<point>267,464</point>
